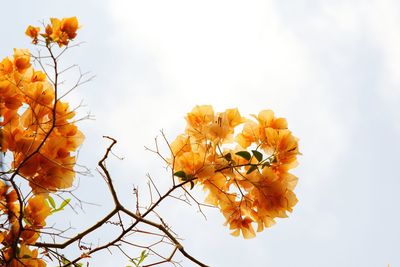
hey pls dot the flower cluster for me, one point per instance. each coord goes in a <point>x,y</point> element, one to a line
<point>35,213</point>
<point>38,134</point>
<point>246,176</point>
<point>36,127</point>
<point>58,31</point>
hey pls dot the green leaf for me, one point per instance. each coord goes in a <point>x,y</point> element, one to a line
<point>181,174</point>
<point>143,256</point>
<point>51,201</point>
<point>27,222</point>
<point>64,203</point>
<point>244,154</point>
<point>251,169</point>
<point>266,164</point>
<point>228,156</point>
<point>258,155</point>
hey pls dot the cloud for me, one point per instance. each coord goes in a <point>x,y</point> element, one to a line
<point>383,20</point>
<point>212,50</point>
<point>231,54</point>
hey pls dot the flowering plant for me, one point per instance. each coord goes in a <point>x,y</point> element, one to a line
<point>245,174</point>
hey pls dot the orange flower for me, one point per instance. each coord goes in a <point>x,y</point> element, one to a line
<point>26,258</point>
<point>38,76</point>
<point>33,32</point>
<point>37,211</point>
<point>243,225</point>
<point>29,235</point>
<point>39,140</point>
<point>22,59</point>
<point>61,31</point>
<point>3,193</point>
<point>23,131</point>
<point>53,175</point>
<point>70,26</point>
<point>6,66</point>
<point>48,31</point>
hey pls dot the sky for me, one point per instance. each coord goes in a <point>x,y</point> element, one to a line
<point>332,68</point>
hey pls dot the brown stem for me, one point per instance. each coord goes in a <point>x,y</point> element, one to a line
<point>120,208</point>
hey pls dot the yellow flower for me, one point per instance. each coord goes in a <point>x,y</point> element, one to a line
<point>180,145</point>
<point>244,225</point>
<point>204,124</point>
<point>200,115</point>
<point>285,146</point>
<point>222,127</point>
<point>250,134</point>
<point>266,118</point>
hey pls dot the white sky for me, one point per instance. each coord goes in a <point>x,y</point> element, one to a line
<point>332,68</point>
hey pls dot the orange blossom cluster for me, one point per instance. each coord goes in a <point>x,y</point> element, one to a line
<point>246,175</point>
<point>39,135</point>
<point>58,31</point>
